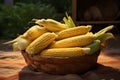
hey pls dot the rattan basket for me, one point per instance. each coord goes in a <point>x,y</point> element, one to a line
<point>60,65</point>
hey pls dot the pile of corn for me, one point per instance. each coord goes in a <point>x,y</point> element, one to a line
<point>50,38</point>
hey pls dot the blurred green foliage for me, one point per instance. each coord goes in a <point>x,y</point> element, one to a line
<point>61,6</point>
<point>14,20</point>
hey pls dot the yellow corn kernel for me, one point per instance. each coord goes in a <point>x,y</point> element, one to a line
<point>34,32</point>
<point>75,31</point>
<point>75,41</point>
<point>51,25</point>
<point>65,52</point>
<point>40,43</point>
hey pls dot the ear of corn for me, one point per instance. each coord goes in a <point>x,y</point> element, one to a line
<point>75,41</point>
<point>65,52</point>
<point>51,25</point>
<point>34,32</point>
<point>21,44</point>
<point>31,34</point>
<point>40,43</point>
<point>75,31</point>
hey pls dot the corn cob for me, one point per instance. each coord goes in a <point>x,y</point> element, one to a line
<point>21,44</point>
<point>31,34</point>
<point>65,52</point>
<point>75,41</point>
<point>51,25</point>
<point>34,32</point>
<point>70,32</point>
<point>40,43</point>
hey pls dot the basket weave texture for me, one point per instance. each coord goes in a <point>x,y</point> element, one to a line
<point>60,65</point>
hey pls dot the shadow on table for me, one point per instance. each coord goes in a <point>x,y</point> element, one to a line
<point>98,73</point>
<point>102,72</point>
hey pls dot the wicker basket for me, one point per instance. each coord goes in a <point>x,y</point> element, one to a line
<point>61,65</point>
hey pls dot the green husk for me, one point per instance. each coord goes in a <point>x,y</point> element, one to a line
<point>95,46</point>
<point>68,21</point>
<point>103,31</point>
<point>14,40</point>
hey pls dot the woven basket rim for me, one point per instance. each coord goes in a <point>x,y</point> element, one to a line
<point>36,55</point>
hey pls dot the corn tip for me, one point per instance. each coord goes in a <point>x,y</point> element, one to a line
<point>86,50</point>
